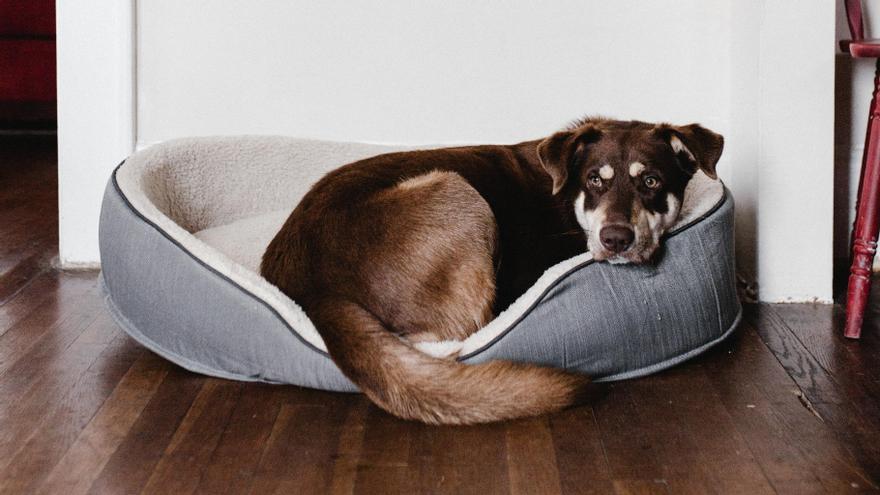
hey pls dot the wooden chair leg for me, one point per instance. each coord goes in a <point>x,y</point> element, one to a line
<point>864,243</point>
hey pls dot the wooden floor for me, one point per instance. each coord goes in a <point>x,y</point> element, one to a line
<point>785,406</point>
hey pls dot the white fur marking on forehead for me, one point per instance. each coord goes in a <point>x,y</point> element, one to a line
<point>606,172</point>
<point>678,147</point>
<point>635,168</point>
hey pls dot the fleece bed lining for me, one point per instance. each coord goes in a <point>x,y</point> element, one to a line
<point>213,234</point>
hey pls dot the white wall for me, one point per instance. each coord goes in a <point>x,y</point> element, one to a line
<point>462,71</point>
<point>95,116</point>
<point>795,150</point>
<point>417,72</point>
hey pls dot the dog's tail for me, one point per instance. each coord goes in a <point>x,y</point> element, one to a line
<point>413,385</point>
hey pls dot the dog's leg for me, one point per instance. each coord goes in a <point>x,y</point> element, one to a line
<point>436,279</point>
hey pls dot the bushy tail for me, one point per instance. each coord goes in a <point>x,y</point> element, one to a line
<point>413,385</point>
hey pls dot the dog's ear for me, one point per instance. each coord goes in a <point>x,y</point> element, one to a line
<point>695,146</point>
<point>557,153</point>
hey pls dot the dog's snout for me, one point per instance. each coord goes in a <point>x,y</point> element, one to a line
<point>616,238</point>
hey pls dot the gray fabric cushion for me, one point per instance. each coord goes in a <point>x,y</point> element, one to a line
<point>609,321</point>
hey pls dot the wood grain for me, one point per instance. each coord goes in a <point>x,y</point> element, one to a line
<point>85,459</point>
<point>184,460</point>
<point>28,210</point>
<point>62,424</point>
<point>234,461</point>
<point>531,457</point>
<point>580,454</point>
<point>134,460</point>
<point>460,459</point>
<point>386,454</point>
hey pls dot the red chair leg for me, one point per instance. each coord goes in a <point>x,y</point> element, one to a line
<point>864,243</point>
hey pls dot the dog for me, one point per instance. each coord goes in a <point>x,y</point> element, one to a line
<point>430,245</point>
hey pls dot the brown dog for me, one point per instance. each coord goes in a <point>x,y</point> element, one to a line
<point>430,245</point>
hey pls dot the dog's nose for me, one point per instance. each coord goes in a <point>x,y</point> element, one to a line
<point>616,238</point>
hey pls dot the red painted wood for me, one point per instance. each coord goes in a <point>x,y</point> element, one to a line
<point>854,18</point>
<point>27,61</point>
<point>864,243</point>
<point>27,18</point>
<point>864,48</point>
<point>27,70</point>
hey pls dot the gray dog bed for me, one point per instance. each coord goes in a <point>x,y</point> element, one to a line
<point>184,223</point>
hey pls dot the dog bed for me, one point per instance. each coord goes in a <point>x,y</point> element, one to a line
<point>184,223</point>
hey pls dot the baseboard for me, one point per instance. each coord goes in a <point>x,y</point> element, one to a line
<point>78,266</point>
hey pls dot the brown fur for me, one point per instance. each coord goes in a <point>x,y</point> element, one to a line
<point>429,245</point>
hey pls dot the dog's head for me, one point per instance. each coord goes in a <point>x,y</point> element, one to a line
<point>626,180</point>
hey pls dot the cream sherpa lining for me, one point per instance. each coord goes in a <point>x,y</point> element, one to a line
<point>224,203</point>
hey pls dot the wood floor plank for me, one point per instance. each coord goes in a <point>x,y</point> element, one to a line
<point>789,351</point>
<point>350,447</point>
<point>791,444</point>
<point>639,487</point>
<point>65,419</point>
<point>843,405</point>
<point>818,328</point>
<point>86,458</point>
<point>693,438</point>
<point>696,487</point>
<point>36,317</point>
<point>386,479</point>
<point>32,297</point>
<point>28,234</point>
<point>385,455</point>
<point>580,455</point>
<point>52,377</point>
<point>593,487</point>
<point>626,440</point>
<point>234,461</point>
<point>677,452</point>
<point>185,459</point>
<point>36,260</point>
<point>37,345</point>
<point>531,457</point>
<point>28,221</point>
<point>296,460</point>
<point>29,350</point>
<point>853,375</point>
<point>752,409</point>
<point>28,229</point>
<point>724,462</point>
<point>460,459</point>
<point>134,459</point>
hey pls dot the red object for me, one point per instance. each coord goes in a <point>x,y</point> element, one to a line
<point>29,18</point>
<point>27,70</point>
<point>864,240</point>
<point>27,61</point>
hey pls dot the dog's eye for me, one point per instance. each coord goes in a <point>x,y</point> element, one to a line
<point>651,182</point>
<point>595,180</point>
